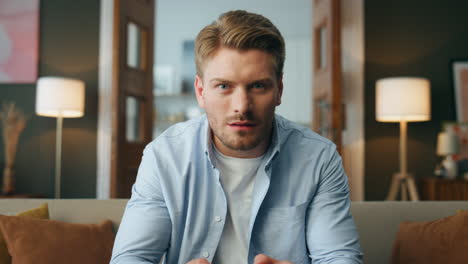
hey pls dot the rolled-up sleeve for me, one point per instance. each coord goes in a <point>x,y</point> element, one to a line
<point>331,233</point>
<point>145,229</point>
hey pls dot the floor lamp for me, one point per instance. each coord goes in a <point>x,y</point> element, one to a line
<point>61,98</point>
<point>403,100</point>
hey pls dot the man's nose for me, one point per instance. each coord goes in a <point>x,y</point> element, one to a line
<point>241,100</point>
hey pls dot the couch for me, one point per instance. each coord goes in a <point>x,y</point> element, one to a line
<point>377,222</point>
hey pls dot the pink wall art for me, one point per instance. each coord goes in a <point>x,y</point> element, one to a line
<point>19,37</point>
<point>460,82</point>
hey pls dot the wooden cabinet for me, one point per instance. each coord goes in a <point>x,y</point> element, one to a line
<point>436,189</point>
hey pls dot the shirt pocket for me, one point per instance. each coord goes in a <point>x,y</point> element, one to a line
<point>280,233</point>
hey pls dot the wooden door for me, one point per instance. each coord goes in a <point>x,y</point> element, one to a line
<point>328,110</point>
<point>132,92</point>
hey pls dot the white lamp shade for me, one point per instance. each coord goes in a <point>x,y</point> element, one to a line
<point>403,99</point>
<point>57,96</point>
<point>447,144</point>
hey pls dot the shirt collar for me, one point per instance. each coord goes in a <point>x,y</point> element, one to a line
<point>272,151</point>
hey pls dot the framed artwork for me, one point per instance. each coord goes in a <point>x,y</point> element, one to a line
<point>460,83</point>
<point>19,40</point>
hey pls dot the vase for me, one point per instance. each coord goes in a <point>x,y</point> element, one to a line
<point>8,181</point>
<point>450,166</point>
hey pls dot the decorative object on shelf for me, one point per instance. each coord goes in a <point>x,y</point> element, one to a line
<point>61,98</point>
<point>164,83</point>
<point>447,146</point>
<point>13,123</point>
<point>461,157</point>
<point>460,83</point>
<point>403,99</point>
<point>461,131</point>
<point>188,67</point>
<point>193,112</point>
<point>19,31</point>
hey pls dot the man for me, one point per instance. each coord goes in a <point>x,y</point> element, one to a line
<point>240,184</point>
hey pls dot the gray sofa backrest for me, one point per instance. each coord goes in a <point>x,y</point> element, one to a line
<point>377,222</point>
<point>71,210</point>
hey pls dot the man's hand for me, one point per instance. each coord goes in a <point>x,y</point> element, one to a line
<point>198,261</point>
<point>259,259</point>
<point>264,259</point>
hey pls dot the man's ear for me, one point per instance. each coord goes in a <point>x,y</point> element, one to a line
<point>280,90</point>
<point>199,91</point>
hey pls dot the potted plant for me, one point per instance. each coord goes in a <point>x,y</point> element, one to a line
<point>13,122</point>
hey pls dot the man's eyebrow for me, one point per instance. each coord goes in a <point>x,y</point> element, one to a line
<point>264,80</point>
<point>220,80</point>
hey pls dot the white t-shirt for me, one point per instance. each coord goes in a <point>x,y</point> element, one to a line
<point>237,177</point>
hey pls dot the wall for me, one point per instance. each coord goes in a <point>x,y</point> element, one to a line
<point>409,38</point>
<point>68,47</point>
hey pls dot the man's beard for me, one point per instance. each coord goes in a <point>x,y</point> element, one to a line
<point>242,140</point>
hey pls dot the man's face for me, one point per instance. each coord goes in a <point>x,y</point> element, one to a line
<point>239,92</point>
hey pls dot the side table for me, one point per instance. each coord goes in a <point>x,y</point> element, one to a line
<point>436,189</point>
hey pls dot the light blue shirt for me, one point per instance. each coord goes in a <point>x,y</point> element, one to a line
<point>300,201</point>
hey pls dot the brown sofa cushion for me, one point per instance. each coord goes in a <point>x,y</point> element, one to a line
<point>440,241</point>
<point>42,212</point>
<point>47,241</point>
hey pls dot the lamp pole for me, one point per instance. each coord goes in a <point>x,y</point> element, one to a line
<point>58,155</point>
<point>408,186</point>
<point>403,150</point>
<point>403,161</point>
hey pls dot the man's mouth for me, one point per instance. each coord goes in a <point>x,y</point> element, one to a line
<point>242,125</point>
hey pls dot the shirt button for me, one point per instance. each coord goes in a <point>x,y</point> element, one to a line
<point>218,218</point>
<point>205,254</point>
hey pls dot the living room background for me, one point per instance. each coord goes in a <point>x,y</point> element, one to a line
<point>68,47</point>
<point>401,38</point>
<point>409,38</point>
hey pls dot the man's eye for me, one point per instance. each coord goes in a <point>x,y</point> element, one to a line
<point>258,85</point>
<point>222,86</point>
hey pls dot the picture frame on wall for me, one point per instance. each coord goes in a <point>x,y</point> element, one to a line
<point>460,85</point>
<point>19,41</point>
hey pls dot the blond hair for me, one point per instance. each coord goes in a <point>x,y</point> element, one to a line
<point>240,30</point>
